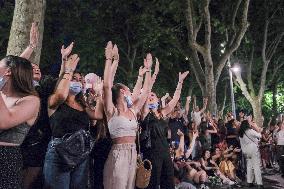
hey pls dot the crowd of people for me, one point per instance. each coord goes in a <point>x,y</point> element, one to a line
<point>81,131</point>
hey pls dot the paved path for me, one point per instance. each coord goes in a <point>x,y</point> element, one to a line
<point>271,180</point>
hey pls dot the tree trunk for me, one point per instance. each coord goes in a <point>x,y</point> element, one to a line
<point>274,100</point>
<point>26,12</point>
<point>257,112</point>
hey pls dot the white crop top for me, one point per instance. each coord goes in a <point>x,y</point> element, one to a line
<point>120,126</point>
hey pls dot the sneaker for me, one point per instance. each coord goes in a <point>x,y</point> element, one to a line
<point>203,186</point>
<point>229,182</point>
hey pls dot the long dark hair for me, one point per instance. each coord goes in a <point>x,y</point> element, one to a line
<point>21,75</point>
<point>244,126</point>
<point>116,92</point>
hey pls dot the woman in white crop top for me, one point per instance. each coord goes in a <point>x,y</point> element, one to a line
<point>121,112</point>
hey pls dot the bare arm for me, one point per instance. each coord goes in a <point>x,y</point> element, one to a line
<point>26,110</point>
<point>34,35</point>
<point>181,142</point>
<point>205,101</point>
<point>62,89</point>
<point>188,99</point>
<point>138,85</point>
<point>169,107</point>
<point>192,144</point>
<point>108,104</point>
<point>147,86</point>
<point>65,52</point>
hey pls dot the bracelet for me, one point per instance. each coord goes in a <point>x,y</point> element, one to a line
<point>66,78</point>
<point>31,46</point>
<point>140,75</point>
<point>67,73</point>
<point>178,89</point>
<point>108,58</point>
<point>68,70</point>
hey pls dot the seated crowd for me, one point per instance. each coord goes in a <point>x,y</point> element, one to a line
<point>108,126</point>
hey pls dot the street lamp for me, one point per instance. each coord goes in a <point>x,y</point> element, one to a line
<point>232,69</point>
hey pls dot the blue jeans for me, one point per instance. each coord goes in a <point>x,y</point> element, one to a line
<point>58,176</point>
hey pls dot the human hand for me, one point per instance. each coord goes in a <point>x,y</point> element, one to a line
<point>65,52</point>
<point>182,76</point>
<point>142,71</point>
<point>188,98</point>
<point>98,86</point>
<point>195,134</point>
<point>71,63</point>
<point>108,51</point>
<point>34,35</point>
<point>179,133</point>
<point>148,61</point>
<point>115,54</point>
<point>157,67</point>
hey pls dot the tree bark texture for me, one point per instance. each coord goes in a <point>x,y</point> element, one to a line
<point>25,13</point>
<point>207,76</point>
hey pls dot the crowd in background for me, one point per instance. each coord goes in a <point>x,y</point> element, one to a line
<point>188,146</point>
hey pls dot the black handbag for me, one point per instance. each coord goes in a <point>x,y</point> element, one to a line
<point>75,148</point>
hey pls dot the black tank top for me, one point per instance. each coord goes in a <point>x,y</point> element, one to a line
<point>158,131</point>
<point>67,120</point>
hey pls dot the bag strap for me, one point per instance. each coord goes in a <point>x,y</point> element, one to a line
<point>250,139</point>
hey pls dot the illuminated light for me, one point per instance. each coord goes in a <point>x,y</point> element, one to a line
<point>236,69</point>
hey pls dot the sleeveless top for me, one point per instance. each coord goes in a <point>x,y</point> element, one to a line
<point>158,132</point>
<point>15,135</point>
<point>120,126</point>
<point>67,120</point>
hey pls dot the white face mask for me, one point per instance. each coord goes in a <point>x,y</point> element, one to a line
<point>3,81</point>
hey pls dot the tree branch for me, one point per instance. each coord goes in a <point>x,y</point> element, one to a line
<point>249,78</point>
<point>207,24</point>
<point>243,87</point>
<point>236,42</point>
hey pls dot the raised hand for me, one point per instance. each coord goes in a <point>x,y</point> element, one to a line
<point>188,98</point>
<point>108,51</point>
<point>148,61</point>
<point>195,134</point>
<point>179,133</point>
<point>142,71</point>
<point>71,63</point>
<point>34,35</point>
<point>157,67</point>
<point>98,86</point>
<point>182,76</point>
<point>115,54</point>
<point>65,52</point>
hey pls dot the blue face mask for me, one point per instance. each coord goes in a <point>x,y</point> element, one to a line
<point>35,83</point>
<point>128,101</point>
<point>153,106</point>
<point>75,88</point>
<point>2,82</point>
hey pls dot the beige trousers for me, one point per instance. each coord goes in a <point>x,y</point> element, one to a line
<point>120,167</point>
